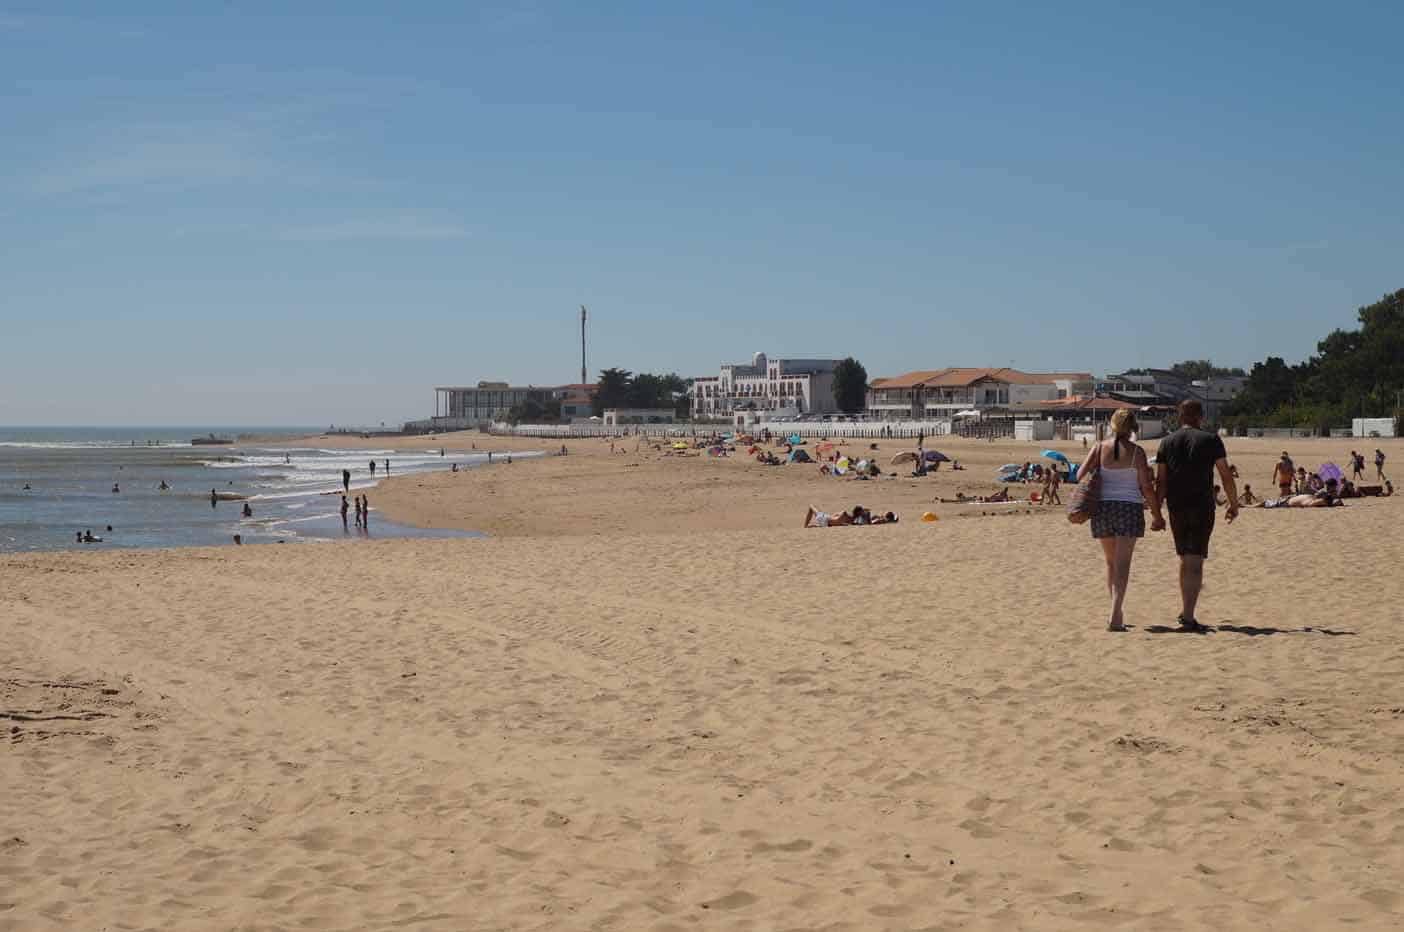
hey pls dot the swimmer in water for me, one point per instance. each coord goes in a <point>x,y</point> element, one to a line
<point>162,487</point>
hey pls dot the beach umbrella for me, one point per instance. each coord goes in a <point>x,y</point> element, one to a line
<point>906,457</point>
<point>1055,455</point>
<point>1330,471</point>
<point>1009,467</point>
<point>932,456</point>
<point>795,440</point>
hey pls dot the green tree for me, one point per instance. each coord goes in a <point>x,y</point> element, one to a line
<point>528,411</point>
<point>1201,369</point>
<point>1354,373</point>
<point>612,390</point>
<point>850,385</point>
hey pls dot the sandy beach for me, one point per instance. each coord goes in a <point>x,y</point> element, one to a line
<point>651,700</point>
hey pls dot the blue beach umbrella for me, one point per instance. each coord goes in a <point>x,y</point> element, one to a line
<point>1055,455</point>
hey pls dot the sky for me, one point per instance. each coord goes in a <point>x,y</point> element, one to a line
<point>272,213</point>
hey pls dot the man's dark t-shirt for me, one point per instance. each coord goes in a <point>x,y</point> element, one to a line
<point>1189,455</point>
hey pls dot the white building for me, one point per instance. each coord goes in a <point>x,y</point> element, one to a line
<point>778,387</point>
<point>461,406</point>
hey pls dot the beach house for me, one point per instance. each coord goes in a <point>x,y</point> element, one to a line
<point>944,393</point>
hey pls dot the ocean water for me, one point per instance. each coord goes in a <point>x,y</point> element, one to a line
<point>71,473</point>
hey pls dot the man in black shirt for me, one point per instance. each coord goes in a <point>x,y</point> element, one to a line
<point>1184,467</point>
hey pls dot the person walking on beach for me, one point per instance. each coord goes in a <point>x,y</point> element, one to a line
<point>1127,487</point>
<point>365,513</point>
<point>387,466</point>
<point>358,511</point>
<point>214,498</point>
<point>344,508</point>
<point>346,480</point>
<point>1379,464</point>
<point>1283,475</point>
<point>372,467</point>
<point>1185,467</point>
<point>1357,465</point>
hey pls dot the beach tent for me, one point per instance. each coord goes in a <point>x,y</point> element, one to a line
<point>1009,467</point>
<point>934,456</point>
<point>907,457</point>
<point>1055,455</point>
<point>796,440</point>
<point>799,456</point>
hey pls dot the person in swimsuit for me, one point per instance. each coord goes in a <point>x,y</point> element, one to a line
<point>1283,473</point>
<point>345,507</point>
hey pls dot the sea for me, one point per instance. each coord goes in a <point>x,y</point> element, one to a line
<point>57,482</point>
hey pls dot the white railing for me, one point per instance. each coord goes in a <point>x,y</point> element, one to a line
<point>868,430</point>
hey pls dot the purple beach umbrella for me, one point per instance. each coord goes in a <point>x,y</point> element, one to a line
<point>1330,471</point>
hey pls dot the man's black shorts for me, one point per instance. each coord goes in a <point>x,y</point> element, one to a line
<point>1191,529</point>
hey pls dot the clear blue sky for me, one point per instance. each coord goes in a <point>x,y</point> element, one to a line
<point>312,213</point>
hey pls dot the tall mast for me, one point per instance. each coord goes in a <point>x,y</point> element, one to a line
<point>584,380</point>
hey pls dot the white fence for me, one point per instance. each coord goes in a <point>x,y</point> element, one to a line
<point>867,430</point>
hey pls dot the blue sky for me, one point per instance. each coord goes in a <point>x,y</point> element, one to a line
<point>232,213</point>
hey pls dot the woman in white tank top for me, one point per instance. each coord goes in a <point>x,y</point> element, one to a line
<point>1127,487</point>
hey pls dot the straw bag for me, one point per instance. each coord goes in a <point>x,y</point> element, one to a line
<point>1084,500</point>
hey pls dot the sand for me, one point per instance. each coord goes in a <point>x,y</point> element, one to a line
<point>652,701</point>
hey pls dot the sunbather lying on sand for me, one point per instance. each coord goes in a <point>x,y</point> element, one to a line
<point>858,515</point>
<point>1319,500</point>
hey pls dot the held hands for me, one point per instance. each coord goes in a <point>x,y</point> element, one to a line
<point>1230,512</point>
<point>1158,522</point>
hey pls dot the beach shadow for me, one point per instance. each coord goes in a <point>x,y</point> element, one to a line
<point>1254,631</point>
<point>1251,631</point>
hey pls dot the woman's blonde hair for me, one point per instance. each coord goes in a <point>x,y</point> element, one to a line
<point>1123,422</point>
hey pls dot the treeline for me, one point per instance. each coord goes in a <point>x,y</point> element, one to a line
<point>617,388</point>
<point>1355,373</point>
<point>620,388</point>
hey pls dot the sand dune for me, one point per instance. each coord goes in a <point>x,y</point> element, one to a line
<point>725,721</point>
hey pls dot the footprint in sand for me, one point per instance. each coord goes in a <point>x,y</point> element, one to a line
<point>737,900</point>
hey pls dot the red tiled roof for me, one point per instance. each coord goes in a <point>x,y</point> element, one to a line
<point>1087,404</point>
<point>953,377</point>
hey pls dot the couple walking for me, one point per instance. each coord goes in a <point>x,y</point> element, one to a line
<point>1183,481</point>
